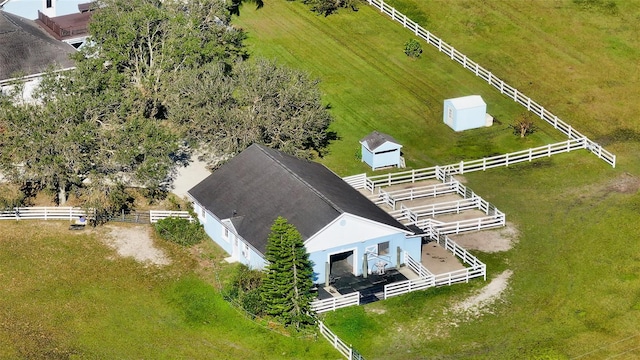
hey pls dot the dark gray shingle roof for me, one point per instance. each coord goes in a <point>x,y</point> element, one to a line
<point>25,48</point>
<point>376,139</point>
<point>261,184</point>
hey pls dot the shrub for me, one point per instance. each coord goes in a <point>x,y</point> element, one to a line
<point>244,288</point>
<point>523,126</point>
<point>180,231</point>
<point>413,48</point>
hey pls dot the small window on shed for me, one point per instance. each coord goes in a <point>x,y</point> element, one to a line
<point>383,248</point>
<point>49,4</point>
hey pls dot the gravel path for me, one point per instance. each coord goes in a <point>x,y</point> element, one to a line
<point>135,242</point>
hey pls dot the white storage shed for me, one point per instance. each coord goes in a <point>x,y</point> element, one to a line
<point>468,112</point>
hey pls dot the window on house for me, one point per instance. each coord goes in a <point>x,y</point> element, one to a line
<point>383,248</point>
<point>202,212</point>
<point>245,251</point>
<point>225,234</point>
<point>49,4</point>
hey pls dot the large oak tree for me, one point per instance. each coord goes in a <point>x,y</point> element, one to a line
<point>158,79</point>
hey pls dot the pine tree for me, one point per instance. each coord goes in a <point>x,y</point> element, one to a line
<point>286,289</point>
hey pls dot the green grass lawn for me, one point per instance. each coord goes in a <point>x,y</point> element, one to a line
<point>66,295</point>
<point>370,84</point>
<point>575,291</point>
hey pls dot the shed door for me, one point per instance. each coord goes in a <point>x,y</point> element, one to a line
<point>450,116</point>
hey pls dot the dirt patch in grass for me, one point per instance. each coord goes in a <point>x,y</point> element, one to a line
<point>625,183</point>
<point>136,242</point>
<point>489,241</point>
<point>481,302</point>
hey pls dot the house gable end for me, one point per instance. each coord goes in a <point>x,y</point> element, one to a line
<point>348,229</point>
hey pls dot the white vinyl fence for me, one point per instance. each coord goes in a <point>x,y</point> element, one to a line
<point>74,213</point>
<point>391,197</point>
<point>441,172</point>
<point>43,213</point>
<point>457,227</point>
<point>476,269</point>
<point>155,215</point>
<point>500,85</point>
<point>346,350</point>
<point>336,302</point>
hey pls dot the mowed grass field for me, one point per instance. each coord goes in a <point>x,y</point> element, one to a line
<point>67,295</point>
<point>575,290</point>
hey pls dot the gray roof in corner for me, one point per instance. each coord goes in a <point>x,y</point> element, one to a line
<point>261,184</point>
<point>375,139</point>
<point>26,48</point>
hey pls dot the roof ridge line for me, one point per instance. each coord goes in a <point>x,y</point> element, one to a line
<point>318,193</point>
<point>33,23</point>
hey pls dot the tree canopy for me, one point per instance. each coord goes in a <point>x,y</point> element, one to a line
<point>157,80</point>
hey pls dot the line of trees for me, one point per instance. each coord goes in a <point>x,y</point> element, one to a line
<point>159,80</point>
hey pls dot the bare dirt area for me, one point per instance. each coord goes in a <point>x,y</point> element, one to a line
<point>135,241</point>
<point>489,241</point>
<point>625,183</point>
<point>481,302</point>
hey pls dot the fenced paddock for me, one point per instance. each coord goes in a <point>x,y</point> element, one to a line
<point>414,215</point>
<point>337,302</point>
<point>475,269</point>
<point>362,181</point>
<point>431,210</point>
<point>390,198</point>
<point>494,81</point>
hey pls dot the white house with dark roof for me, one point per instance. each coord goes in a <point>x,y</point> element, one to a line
<point>27,51</point>
<point>381,150</point>
<point>239,202</point>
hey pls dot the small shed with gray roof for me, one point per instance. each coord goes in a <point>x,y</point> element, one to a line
<point>239,202</point>
<point>381,150</point>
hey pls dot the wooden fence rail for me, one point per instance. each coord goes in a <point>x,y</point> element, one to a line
<point>494,81</point>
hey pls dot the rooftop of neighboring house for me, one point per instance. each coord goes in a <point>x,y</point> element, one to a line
<point>26,49</point>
